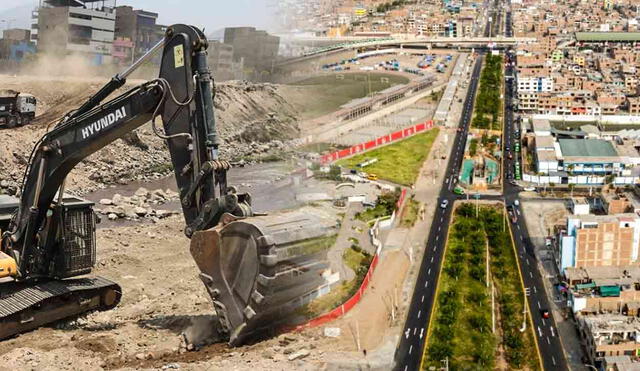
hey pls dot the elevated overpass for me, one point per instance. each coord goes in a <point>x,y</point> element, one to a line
<point>335,45</point>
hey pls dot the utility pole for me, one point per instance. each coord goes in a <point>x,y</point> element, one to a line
<point>446,364</point>
<point>524,310</point>
<point>493,310</point>
<point>357,336</point>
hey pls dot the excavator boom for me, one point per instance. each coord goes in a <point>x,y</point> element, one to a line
<point>257,270</point>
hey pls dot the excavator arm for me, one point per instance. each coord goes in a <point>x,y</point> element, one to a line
<point>256,270</point>
<point>182,95</point>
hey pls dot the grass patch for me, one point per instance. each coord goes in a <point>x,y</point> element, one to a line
<point>385,205</point>
<point>356,259</point>
<point>325,94</point>
<point>410,213</point>
<point>461,327</point>
<point>399,162</point>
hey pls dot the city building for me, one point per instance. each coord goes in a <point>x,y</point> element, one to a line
<point>140,26</point>
<point>16,44</point>
<point>599,240</point>
<point>609,335</point>
<point>123,51</point>
<point>257,50</point>
<point>80,27</point>
<point>598,290</point>
<point>221,63</point>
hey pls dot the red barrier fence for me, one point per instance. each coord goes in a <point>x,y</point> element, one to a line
<point>347,305</point>
<point>352,301</point>
<point>362,147</point>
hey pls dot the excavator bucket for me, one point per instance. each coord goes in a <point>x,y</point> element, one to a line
<point>259,270</point>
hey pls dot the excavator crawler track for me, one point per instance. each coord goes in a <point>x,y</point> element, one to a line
<point>25,306</point>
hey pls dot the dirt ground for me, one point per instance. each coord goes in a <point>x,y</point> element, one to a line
<point>163,298</point>
<point>253,120</point>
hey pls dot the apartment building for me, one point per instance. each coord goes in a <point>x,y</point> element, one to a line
<point>139,26</point>
<point>609,335</point>
<point>257,49</point>
<point>597,290</point>
<point>600,240</point>
<point>81,27</point>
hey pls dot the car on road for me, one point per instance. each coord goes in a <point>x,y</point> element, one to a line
<point>510,156</point>
<point>530,189</point>
<point>372,177</point>
<point>444,204</point>
<point>544,313</point>
<point>512,214</point>
<point>507,148</point>
<point>458,191</point>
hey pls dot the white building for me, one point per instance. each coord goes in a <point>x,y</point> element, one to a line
<point>83,27</point>
<point>528,84</point>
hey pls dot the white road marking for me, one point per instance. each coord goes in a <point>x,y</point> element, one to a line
<point>548,341</point>
<point>539,331</point>
<point>429,271</point>
<point>553,333</point>
<point>419,313</point>
<point>436,240</point>
<point>539,305</point>
<point>553,360</point>
<point>415,330</point>
<point>422,300</point>
<point>406,334</point>
<point>410,349</point>
<point>421,332</point>
<point>406,367</point>
<point>535,290</point>
<point>432,259</point>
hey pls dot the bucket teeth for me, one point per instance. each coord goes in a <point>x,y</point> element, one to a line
<point>256,270</point>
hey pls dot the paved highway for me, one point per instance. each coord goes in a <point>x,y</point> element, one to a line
<point>544,328</point>
<point>409,352</point>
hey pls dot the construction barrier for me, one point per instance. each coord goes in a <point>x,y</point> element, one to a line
<point>386,139</point>
<point>351,302</point>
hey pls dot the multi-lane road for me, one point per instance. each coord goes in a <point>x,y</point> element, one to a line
<point>545,331</point>
<point>409,352</point>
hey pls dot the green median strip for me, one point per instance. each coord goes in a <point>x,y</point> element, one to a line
<point>462,328</point>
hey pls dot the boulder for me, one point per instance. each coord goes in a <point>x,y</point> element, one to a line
<point>140,211</point>
<point>142,192</point>
<point>106,201</point>
<point>302,353</point>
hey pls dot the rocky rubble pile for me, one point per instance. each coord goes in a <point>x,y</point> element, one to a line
<point>143,204</point>
<point>255,123</point>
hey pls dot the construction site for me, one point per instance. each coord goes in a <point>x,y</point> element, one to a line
<point>155,217</point>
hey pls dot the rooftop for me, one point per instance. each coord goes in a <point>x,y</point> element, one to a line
<point>587,148</point>
<point>608,36</point>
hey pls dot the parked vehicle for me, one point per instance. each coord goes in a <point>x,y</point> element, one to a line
<point>458,191</point>
<point>16,109</point>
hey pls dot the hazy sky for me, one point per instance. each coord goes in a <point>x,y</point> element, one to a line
<point>211,14</point>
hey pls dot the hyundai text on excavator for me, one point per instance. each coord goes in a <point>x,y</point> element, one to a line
<point>255,268</point>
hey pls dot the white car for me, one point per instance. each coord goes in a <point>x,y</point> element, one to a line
<point>530,189</point>
<point>444,204</point>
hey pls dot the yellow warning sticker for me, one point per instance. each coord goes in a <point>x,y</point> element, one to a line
<point>178,55</point>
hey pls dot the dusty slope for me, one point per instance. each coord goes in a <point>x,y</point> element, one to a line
<point>253,119</point>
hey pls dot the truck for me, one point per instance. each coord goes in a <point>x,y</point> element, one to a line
<point>16,109</point>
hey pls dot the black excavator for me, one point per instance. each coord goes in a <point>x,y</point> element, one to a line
<point>257,269</point>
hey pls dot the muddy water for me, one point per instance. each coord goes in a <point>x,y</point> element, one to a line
<point>271,187</point>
